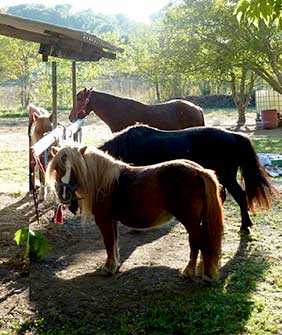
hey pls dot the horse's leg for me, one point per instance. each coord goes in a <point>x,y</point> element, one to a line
<point>208,267</point>
<point>194,241</point>
<point>240,197</point>
<point>41,193</point>
<point>42,190</point>
<point>223,194</point>
<point>109,232</point>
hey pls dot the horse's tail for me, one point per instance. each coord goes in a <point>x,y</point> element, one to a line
<point>213,217</point>
<point>203,118</point>
<point>258,186</point>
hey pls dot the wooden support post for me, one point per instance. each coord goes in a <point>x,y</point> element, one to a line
<point>54,95</point>
<point>75,137</point>
<point>74,84</point>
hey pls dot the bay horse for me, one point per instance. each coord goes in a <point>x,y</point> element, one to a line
<point>223,151</point>
<point>40,123</point>
<point>142,197</point>
<point>118,113</point>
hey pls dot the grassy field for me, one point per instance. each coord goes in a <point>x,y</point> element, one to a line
<point>246,300</point>
<point>13,135</point>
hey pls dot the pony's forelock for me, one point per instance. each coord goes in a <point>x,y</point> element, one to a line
<point>95,173</point>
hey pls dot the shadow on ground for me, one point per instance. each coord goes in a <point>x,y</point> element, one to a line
<point>147,300</point>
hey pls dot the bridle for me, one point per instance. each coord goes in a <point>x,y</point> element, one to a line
<point>81,112</point>
<point>68,190</point>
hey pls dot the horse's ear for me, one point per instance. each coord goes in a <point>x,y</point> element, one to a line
<point>54,151</point>
<point>35,116</point>
<point>82,150</point>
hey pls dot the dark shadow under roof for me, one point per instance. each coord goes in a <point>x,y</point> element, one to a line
<point>57,41</point>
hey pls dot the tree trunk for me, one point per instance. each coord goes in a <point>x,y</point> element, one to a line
<point>157,88</point>
<point>241,114</point>
<point>242,98</point>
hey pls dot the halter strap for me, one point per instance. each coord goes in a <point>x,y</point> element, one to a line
<point>71,187</point>
<point>83,107</point>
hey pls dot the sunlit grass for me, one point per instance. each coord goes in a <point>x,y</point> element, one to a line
<point>269,145</point>
<point>13,113</point>
<point>14,167</point>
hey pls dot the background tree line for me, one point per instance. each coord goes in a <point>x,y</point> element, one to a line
<point>191,47</point>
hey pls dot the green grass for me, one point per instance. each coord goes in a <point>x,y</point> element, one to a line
<point>269,145</point>
<point>14,167</point>
<point>13,113</point>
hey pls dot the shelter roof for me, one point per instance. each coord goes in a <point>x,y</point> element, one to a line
<point>57,41</point>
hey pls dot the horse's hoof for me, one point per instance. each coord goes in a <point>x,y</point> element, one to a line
<point>207,280</point>
<point>104,271</point>
<point>189,274</point>
<point>244,231</point>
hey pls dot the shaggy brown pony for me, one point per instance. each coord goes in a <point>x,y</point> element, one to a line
<point>143,198</point>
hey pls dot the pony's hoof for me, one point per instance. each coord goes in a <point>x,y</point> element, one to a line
<point>189,274</point>
<point>104,271</point>
<point>207,280</point>
<point>244,231</point>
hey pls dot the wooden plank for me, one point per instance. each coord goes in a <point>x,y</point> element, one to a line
<point>67,53</point>
<point>57,134</point>
<point>26,35</point>
<point>72,129</point>
<point>45,142</point>
<point>39,27</point>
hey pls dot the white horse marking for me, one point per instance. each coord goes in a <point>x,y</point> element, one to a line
<point>66,178</point>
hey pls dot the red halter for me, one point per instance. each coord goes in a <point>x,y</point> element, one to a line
<point>82,111</point>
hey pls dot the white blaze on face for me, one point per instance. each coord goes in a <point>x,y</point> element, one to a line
<point>66,178</point>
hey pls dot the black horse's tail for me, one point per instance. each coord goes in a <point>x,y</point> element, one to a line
<point>258,186</point>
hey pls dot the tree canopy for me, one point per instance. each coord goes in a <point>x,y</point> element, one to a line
<point>253,11</point>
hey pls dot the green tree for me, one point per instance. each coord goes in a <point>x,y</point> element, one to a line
<point>204,39</point>
<point>254,11</point>
<point>19,60</point>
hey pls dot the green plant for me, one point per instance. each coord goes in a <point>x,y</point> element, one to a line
<point>36,244</point>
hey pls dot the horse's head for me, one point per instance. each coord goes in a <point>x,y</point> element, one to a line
<point>67,170</point>
<point>40,121</point>
<point>83,108</point>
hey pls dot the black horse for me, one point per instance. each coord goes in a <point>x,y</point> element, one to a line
<point>223,151</point>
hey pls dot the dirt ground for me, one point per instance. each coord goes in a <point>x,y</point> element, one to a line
<point>66,284</point>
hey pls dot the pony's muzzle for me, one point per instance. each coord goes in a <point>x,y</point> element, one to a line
<point>65,196</point>
<point>66,193</point>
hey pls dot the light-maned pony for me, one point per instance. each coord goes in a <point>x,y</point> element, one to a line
<point>40,123</point>
<point>143,198</point>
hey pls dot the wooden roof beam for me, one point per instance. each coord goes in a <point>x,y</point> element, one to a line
<point>26,35</point>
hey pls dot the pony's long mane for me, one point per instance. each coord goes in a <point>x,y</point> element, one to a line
<point>95,171</point>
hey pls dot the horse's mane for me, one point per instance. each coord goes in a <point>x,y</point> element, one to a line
<point>124,141</point>
<point>114,99</point>
<point>96,173</point>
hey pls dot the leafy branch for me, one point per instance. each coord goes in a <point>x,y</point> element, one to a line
<point>36,244</point>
